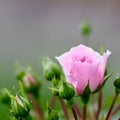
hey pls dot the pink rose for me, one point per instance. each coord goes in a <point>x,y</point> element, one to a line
<point>82,66</point>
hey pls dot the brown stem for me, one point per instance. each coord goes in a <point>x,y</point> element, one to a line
<point>116,110</point>
<point>93,107</point>
<point>77,110</point>
<point>36,107</point>
<point>111,107</point>
<point>99,104</point>
<point>52,102</point>
<point>84,112</point>
<point>64,109</point>
<point>74,113</point>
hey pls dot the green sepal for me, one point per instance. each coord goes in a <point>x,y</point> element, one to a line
<point>86,91</point>
<point>51,114</point>
<point>66,90</point>
<point>20,73</point>
<point>20,106</point>
<point>85,96</point>
<point>104,81</point>
<point>55,91</point>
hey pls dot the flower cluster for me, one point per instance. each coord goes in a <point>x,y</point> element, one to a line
<point>78,73</point>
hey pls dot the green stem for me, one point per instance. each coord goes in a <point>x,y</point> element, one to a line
<point>84,111</point>
<point>111,107</point>
<point>64,109</point>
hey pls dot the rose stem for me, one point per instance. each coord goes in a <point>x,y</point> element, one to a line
<point>64,109</point>
<point>37,107</point>
<point>93,107</point>
<point>116,110</point>
<point>99,104</point>
<point>74,113</point>
<point>111,107</point>
<point>52,102</point>
<point>77,110</point>
<point>84,111</point>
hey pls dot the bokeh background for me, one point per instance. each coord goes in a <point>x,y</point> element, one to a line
<point>30,29</point>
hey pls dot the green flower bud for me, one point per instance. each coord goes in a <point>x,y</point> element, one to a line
<point>31,83</point>
<point>66,91</point>
<point>117,84</point>
<point>51,114</point>
<point>20,73</point>
<point>4,97</point>
<point>85,28</point>
<point>50,69</point>
<point>20,106</point>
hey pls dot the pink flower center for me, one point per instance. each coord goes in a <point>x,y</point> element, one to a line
<point>83,59</point>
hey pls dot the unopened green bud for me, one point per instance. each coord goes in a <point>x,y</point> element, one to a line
<point>31,83</point>
<point>20,106</point>
<point>51,114</point>
<point>50,69</point>
<point>117,84</point>
<point>4,97</point>
<point>66,91</point>
<point>85,28</point>
<point>20,73</point>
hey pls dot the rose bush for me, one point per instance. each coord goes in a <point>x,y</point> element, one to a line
<point>82,66</point>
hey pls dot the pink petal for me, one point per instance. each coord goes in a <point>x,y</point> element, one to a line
<point>92,75</point>
<point>81,76</point>
<point>65,62</point>
<point>101,69</point>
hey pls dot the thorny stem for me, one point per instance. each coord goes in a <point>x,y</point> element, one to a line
<point>84,111</point>
<point>99,104</point>
<point>64,109</point>
<point>111,107</point>
<point>74,113</point>
<point>77,110</point>
<point>52,102</point>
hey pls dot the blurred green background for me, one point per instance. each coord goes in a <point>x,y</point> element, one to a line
<point>30,29</point>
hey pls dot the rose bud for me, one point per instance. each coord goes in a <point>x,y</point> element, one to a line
<point>117,84</point>
<point>20,73</point>
<point>31,83</point>
<point>66,91</point>
<point>50,69</point>
<point>4,97</point>
<point>20,106</point>
<point>83,66</point>
<point>85,28</point>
